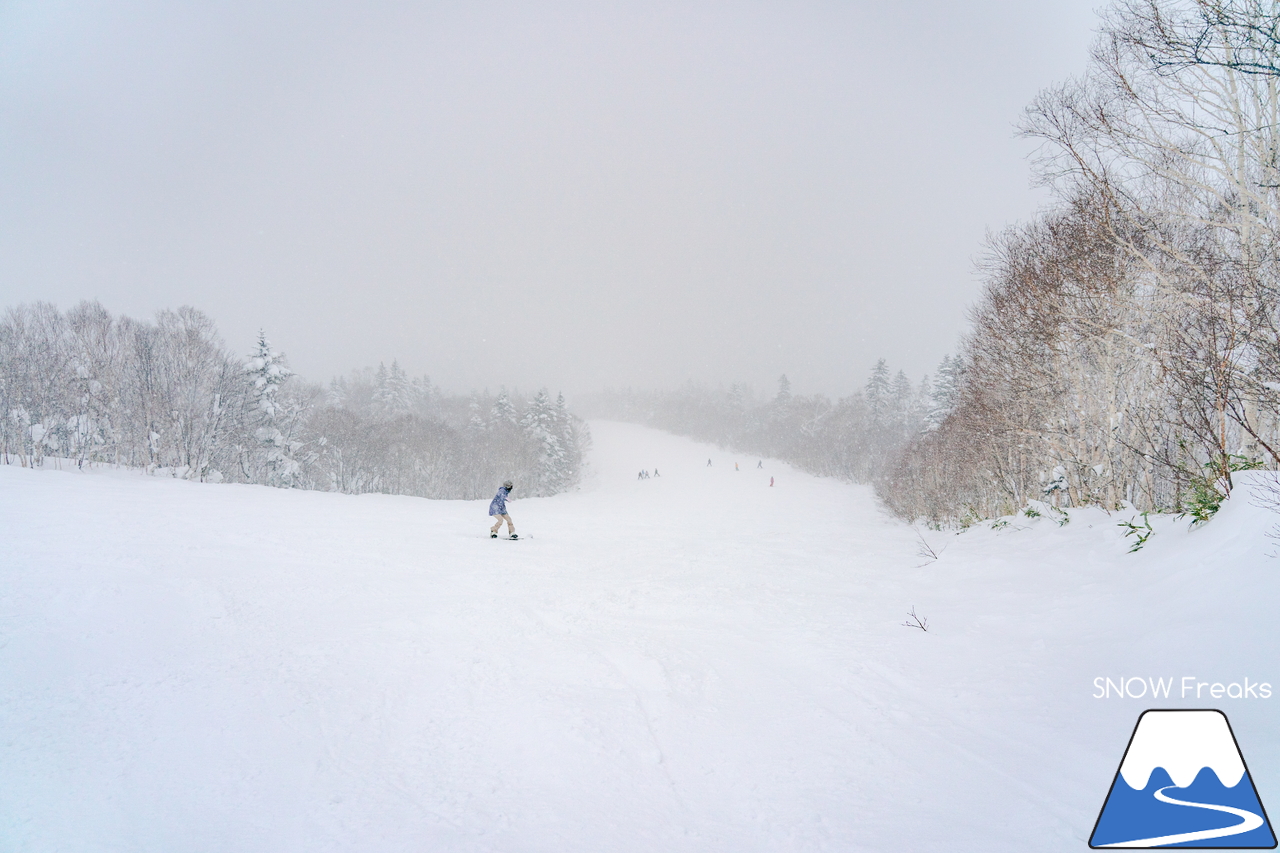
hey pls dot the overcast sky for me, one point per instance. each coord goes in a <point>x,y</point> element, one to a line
<point>578,194</point>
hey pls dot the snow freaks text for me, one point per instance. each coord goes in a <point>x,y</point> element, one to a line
<point>1187,687</point>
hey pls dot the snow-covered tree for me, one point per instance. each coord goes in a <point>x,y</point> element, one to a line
<point>878,390</point>
<point>475,418</point>
<point>167,397</point>
<point>503,411</point>
<point>903,395</point>
<point>784,392</point>
<point>571,435</point>
<point>393,392</point>
<point>337,392</point>
<point>269,418</point>
<point>945,391</point>
<point>540,427</point>
<point>266,371</point>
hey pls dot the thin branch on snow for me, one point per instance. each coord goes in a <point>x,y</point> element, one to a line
<point>926,550</point>
<point>914,621</point>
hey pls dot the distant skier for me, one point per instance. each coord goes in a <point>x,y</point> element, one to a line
<point>640,475</point>
<point>708,463</point>
<point>735,466</point>
<point>655,473</point>
<point>498,507</point>
<point>760,464</point>
<point>771,482</point>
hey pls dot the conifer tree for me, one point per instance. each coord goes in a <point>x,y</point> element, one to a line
<point>904,400</point>
<point>877,390</point>
<point>392,392</point>
<point>400,393</point>
<point>271,459</point>
<point>336,395</point>
<point>475,422</point>
<point>566,431</point>
<point>945,391</point>
<point>539,427</point>
<point>422,395</point>
<point>737,397</point>
<point>503,411</point>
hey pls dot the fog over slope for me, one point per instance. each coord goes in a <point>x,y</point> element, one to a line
<point>527,194</point>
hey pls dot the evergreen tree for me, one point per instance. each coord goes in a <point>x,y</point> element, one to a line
<point>945,391</point>
<point>403,396</point>
<point>393,392</point>
<point>337,392</point>
<point>539,426</point>
<point>267,371</point>
<point>503,411</point>
<point>272,459</point>
<point>475,423</point>
<point>904,399</point>
<point>422,395</point>
<point>567,432</point>
<point>878,389</point>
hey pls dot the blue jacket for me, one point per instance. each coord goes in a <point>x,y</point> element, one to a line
<point>498,506</point>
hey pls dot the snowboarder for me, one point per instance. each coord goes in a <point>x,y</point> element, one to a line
<point>498,507</point>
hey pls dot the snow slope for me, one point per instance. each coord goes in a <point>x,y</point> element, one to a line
<point>692,663</point>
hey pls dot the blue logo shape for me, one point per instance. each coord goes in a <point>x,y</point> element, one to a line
<point>1183,783</point>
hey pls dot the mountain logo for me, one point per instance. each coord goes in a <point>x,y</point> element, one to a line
<point>1183,783</point>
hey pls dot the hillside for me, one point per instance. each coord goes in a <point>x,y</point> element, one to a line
<point>693,662</point>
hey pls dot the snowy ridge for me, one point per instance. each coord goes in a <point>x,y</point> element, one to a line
<point>1183,743</point>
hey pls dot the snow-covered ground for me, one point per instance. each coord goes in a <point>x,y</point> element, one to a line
<point>696,662</point>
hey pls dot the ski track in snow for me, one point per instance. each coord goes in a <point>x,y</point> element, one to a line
<point>695,662</point>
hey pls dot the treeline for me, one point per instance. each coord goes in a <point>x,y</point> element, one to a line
<point>1126,347</point>
<point>166,396</point>
<point>851,438</point>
